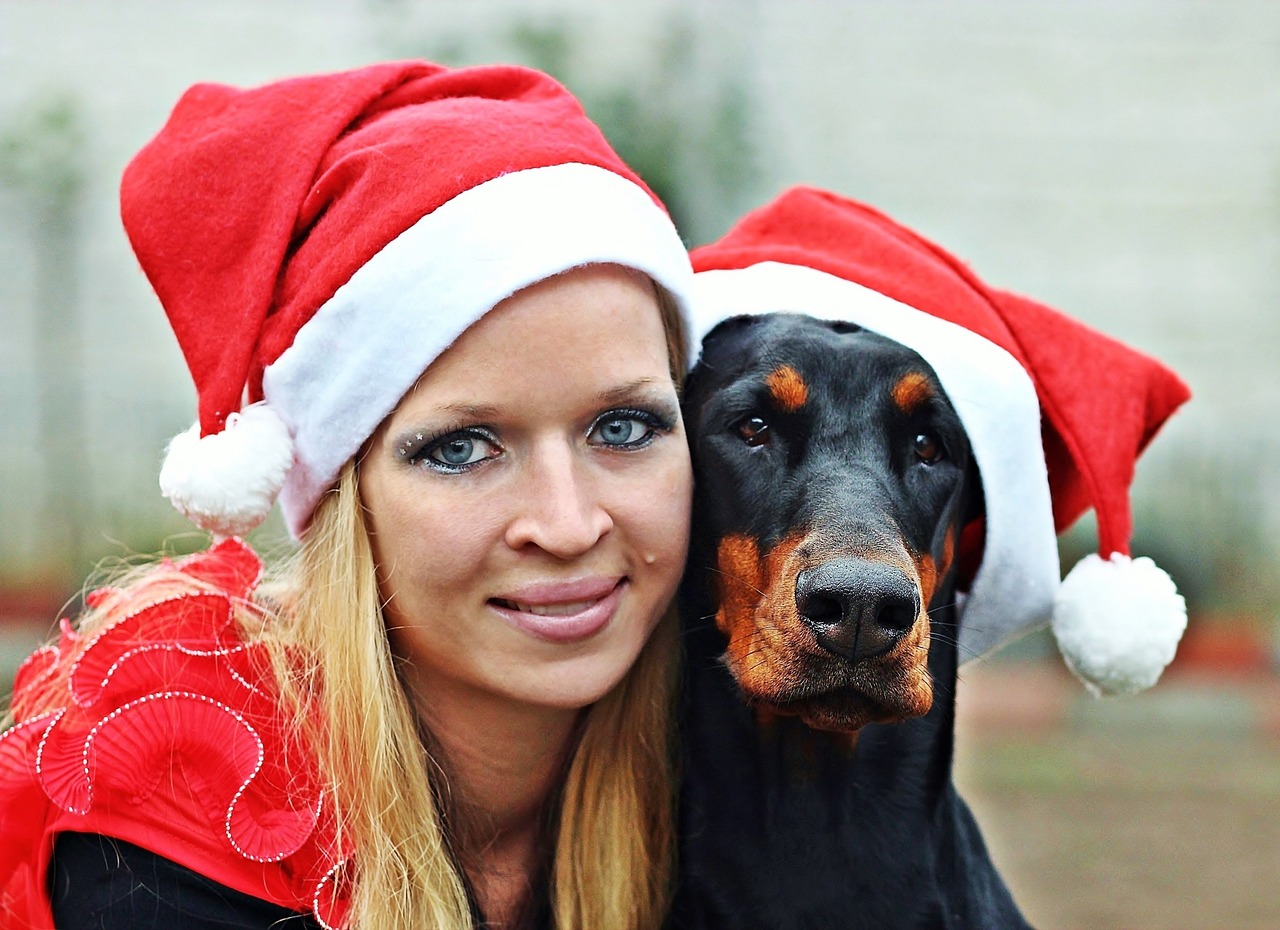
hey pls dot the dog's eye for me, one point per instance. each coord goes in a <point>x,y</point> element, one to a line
<point>754,431</point>
<point>928,449</point>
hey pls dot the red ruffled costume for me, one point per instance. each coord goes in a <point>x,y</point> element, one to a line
<point>170,737</point>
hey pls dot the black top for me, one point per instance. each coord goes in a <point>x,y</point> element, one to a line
<point>98,883</point>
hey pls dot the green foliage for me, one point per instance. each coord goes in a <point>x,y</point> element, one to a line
<point>1213,542</point>
<point>685,131</point>
<point>42,149</point>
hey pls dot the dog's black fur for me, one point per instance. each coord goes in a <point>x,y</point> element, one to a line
<point>833,480</point>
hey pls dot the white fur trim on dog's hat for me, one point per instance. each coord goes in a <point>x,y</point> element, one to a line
<point>1014,589</point>
<point>1099,402</point>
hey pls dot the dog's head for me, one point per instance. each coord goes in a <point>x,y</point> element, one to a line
<point>833,477</point>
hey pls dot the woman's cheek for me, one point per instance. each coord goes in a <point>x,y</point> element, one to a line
<point>669,521</point>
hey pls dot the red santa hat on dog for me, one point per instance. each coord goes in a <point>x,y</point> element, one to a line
<point>317,242</point>
<point>1057,414</point>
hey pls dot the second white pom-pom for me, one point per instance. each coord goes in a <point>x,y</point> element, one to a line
<point>1118,622</point>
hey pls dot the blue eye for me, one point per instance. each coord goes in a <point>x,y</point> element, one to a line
<point>451,452</point>
<point>456,451</point>
<point>626,429</point>
<point>621,432</point>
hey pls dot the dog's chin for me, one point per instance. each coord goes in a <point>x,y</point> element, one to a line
<point>847,700</point>
<point>834,713</point>
<point>847,710</point>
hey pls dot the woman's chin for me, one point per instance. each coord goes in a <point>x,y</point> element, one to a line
<point>578,687</point>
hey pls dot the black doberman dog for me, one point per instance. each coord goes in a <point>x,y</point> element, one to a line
<point>833,480</point>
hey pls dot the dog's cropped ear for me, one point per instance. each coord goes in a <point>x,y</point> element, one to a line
<point>726,352</point>
<point>729,340</point>
<point>975,503</point>
<point>972,526</point>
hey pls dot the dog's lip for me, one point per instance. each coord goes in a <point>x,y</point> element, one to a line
<point>836,680</point>
<point>867,692</point>
<point>837,703</point>
<point>803,688</point>
<point>797,696</point>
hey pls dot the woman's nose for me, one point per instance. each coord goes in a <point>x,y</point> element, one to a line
<point>558,507</point>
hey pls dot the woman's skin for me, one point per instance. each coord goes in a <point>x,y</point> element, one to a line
<point>528,503</point>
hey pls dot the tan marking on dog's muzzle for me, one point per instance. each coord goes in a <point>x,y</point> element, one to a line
<point>757,609</point>
<point>738,565</point>
<point>931,571</point>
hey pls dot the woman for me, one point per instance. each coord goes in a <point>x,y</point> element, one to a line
<point>459,316</point>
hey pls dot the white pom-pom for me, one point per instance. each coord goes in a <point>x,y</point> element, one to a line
<point>227,482</point>
<point>1118,622</point>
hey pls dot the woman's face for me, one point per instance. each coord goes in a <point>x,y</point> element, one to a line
<point>528,500</point>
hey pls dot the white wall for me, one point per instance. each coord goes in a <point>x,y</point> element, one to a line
<point>1117,159</point>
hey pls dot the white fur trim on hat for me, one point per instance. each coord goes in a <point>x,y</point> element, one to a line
<point>348,367</point>
<point>1118,622</point>
<point>227,482</point>
<point>1014,589</point>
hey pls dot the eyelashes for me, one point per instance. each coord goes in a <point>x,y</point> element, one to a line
<point>460,448</point>
<point>629,428</point>
<point>450,450</point>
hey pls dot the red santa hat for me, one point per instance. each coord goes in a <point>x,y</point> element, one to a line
<point>1056,412</point>
<point>317,242</point>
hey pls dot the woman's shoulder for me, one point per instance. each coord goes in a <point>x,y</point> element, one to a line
<point>164,726</point>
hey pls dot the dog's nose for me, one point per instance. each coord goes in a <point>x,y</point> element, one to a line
<point>856,608</point>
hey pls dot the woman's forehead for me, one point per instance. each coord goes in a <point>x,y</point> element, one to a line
<point>596,330</point>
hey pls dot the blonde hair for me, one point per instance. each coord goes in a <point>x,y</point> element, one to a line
<point>320,615</point>
<point>368,747</point>
<point>613,827</point>
<point>614,839</point>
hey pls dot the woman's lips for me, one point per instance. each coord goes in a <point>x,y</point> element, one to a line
<point>562,612</point>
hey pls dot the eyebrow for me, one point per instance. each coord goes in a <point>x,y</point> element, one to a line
<point>624,392</point>
<point>614,395</point>
<point>470,411</point>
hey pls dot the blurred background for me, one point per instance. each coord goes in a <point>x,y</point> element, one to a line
<point>1119,160</point>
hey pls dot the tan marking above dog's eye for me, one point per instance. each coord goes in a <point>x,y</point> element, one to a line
<point>787,388</point>
<point>912,391</point>
<point>754,431</point>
